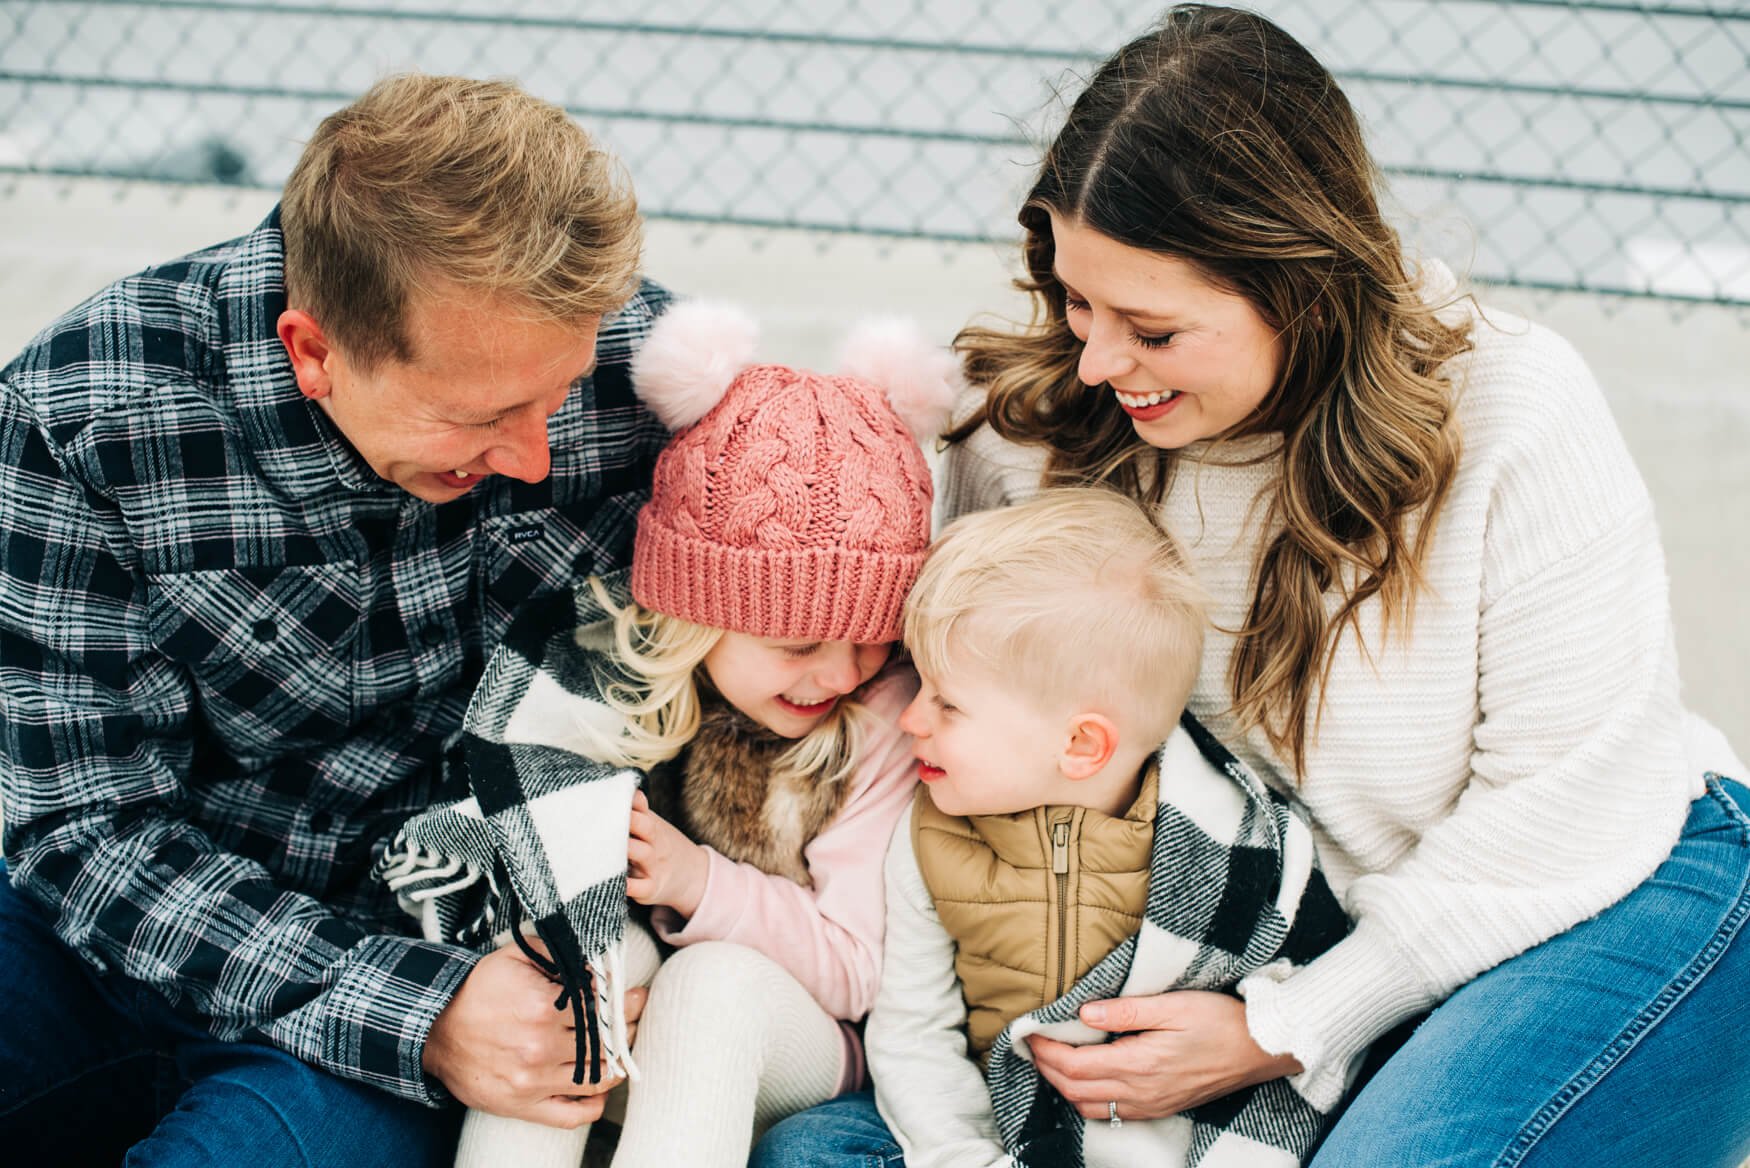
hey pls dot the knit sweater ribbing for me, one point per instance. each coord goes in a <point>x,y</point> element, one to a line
<point>1514,760</point>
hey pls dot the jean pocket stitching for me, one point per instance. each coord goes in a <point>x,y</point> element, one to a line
<point>1716,790</point>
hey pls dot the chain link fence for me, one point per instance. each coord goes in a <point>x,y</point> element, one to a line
<point>1553,144</point>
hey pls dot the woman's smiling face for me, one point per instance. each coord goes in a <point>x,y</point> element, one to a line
<point>1187,359</point>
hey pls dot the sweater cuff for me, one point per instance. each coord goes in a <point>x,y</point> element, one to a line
<point>1327,1012</point>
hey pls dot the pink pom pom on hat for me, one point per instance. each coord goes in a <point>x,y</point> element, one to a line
<point>790,503</point>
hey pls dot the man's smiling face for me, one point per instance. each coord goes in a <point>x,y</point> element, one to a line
<point>472,400</point>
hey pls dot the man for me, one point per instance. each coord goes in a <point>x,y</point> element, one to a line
<point>263,511</point>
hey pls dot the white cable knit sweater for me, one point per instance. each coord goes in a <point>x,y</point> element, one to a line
<point>1513,765</point>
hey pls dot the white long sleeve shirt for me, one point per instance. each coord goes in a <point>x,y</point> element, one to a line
<point>1512,761</point>
<point>929,1089</point>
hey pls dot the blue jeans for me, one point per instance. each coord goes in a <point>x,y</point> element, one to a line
<point>100,1071</point>
<point>1624,1041</point>
<point>845,1131</point>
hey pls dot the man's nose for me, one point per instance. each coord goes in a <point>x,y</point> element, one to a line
<point>521,451</point>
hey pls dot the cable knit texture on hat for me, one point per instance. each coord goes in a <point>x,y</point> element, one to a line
<point>798,506</point>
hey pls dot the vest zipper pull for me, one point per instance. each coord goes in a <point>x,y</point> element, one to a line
<point>1060,847</point>
<point>1060,866</point>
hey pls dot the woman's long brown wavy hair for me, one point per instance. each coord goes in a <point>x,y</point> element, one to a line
<point>1219,140</point>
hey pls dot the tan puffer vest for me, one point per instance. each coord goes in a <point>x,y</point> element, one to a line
<point>1033,900</point>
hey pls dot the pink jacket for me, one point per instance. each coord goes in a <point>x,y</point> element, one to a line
<point>828,937</point>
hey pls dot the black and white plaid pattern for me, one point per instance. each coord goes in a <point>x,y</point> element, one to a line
<point>542,813</point>
<point>232,659</point>
<point>1234,886</point>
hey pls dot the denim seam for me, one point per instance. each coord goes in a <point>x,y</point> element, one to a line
<point>1716,790</point>
<point>105,1065</point>
<point>1539,1125</point>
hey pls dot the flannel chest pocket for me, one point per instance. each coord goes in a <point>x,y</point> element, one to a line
<point>272,650</point>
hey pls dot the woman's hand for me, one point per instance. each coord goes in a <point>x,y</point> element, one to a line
<point>1174,1051</point>
<point>663,865</point>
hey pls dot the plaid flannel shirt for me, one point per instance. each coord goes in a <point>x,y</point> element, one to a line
<point>233,660</point>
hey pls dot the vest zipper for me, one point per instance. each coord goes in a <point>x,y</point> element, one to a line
<point>1060,867</point>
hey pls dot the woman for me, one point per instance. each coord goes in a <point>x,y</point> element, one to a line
<point>1440,621</point>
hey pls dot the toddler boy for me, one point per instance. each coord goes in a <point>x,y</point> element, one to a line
<point>1077,837</point>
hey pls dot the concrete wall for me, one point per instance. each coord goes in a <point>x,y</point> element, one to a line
<point>1676,378</point>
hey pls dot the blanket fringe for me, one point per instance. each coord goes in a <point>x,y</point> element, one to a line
<point>421,877</point>
<point>593,992</point>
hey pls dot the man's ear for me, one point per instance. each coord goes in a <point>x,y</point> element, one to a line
<point>309,351</point>
<point>1091,742</point>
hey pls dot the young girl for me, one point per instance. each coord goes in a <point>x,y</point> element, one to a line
<point>744,685</point>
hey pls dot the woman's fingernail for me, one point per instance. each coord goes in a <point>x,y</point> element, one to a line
<point>1094,1013</point>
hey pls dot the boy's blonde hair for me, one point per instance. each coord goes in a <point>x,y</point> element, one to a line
<point>1075,598</point>
<point>657,697</point>
<point>430,179</point>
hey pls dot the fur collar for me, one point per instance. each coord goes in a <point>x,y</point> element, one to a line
<point>731,799</point>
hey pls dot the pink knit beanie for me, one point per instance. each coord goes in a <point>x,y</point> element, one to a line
<point>789,503</point>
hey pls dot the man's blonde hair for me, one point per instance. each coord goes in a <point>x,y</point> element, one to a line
<point>428,180</point>
<point>1075,598</point>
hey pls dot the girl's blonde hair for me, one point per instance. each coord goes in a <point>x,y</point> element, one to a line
<point>660,661</point>
<point>1219,140</point>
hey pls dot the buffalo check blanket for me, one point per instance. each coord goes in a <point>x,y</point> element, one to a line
<point>540,845</point>
<point>1234,888</point>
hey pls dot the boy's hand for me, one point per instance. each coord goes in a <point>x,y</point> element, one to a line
<point>663,865</point>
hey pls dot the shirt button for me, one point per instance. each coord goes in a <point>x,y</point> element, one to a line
<point>320,822</point>
<point>265,630</point>
<point>431,636</point>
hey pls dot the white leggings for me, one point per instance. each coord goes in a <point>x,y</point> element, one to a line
<point>729,1044</point>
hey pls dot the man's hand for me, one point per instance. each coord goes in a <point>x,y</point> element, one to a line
<point>501,1046</point>
<point>663,866</point>
<point>1174,1051</point>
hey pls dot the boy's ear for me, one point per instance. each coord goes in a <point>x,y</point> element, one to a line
<point>309,350</point>
<point>1092,740</point>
